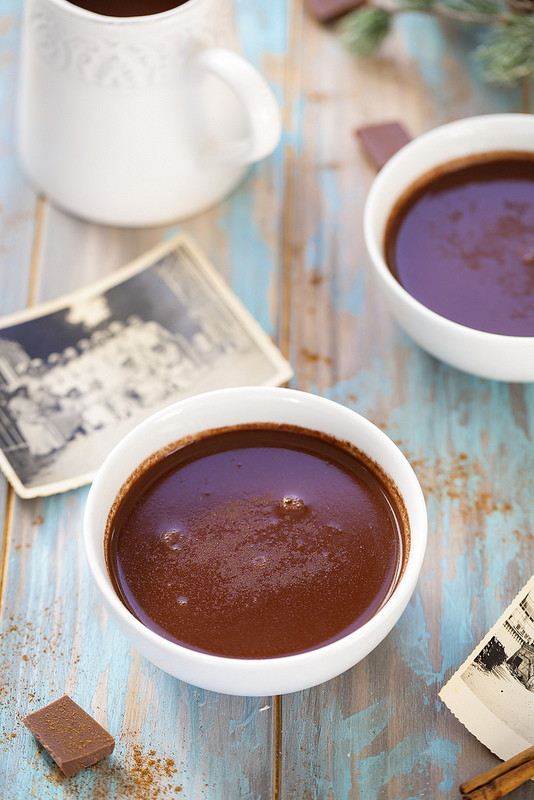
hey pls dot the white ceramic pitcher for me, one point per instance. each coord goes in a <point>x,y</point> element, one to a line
<point>139,120</point>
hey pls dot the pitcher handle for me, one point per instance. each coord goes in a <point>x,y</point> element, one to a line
<point>261,109</point>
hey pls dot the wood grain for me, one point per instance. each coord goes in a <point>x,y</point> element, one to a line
<point>290,242</point>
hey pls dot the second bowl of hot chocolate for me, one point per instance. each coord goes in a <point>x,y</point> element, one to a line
<point>255,540</point>
<point>448,226</point>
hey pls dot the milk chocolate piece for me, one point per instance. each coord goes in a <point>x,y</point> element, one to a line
<point>329,10</point>
<point>72,738</point>
<point>382,141</point>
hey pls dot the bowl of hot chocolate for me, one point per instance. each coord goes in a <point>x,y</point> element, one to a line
<point>255,540</point>
<point>449,229</point>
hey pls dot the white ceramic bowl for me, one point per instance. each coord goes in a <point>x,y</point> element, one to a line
<point>488,355</point>
<point>218,409</point>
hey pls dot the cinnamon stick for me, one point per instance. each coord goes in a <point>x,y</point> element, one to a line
<point>502,779</point>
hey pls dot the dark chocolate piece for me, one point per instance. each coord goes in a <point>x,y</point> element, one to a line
<point>72,738</point>
<point>330,10</point>
<point>382,141</point>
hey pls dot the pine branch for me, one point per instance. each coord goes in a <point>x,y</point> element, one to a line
<point>506,53</point>
<point>424,6</point>
<point>472,10</point>
<point>363,32</point>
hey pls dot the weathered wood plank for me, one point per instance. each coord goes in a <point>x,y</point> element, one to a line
<point>289,241</point>
<point>380,730</point>
<point>172,739</point>
<point>17,201</point>
<point>17,215</point>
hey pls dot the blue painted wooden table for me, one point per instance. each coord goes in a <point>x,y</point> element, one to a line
<point>289,241</point>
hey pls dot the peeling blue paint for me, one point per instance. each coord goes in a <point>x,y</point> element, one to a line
<point>411,638</point>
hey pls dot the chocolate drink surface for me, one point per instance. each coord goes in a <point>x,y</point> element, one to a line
<point>127,8</point>
<point>257,542</point>
<point>461,242</point>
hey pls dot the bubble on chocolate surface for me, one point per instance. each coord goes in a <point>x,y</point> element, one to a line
<point>292,503</point>
<point>175,539</point>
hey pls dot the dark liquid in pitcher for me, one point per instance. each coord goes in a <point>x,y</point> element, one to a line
<point>127,8</point>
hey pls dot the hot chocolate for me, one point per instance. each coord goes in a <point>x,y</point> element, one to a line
<point>127,8</point>
<point>256,542</point>
<point>461,241</point>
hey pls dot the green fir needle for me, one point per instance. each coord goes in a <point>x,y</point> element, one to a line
<point>506,49</point>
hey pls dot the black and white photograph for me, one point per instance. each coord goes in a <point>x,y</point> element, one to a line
<point>492,694</point>
<point>79,373</point>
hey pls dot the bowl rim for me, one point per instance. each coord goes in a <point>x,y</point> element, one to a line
<point>387,615</point>
<point>375,248</point>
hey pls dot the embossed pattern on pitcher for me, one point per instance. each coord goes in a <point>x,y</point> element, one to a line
<point>120,62</point>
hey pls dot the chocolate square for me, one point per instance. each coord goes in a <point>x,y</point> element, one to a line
<point>381,141</point>
<point>329,10</point>
<point>71,736</point>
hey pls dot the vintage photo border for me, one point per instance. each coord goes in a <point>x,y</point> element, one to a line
<point>470,709</point>
<point>281,369</point>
